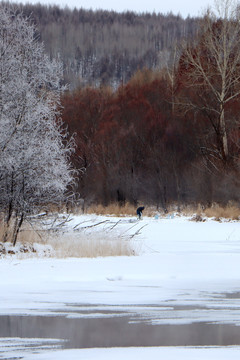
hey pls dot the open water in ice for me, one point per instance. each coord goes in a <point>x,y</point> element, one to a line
<point>121,329</point>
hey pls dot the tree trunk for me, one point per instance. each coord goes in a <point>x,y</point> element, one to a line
<point>17,228</point>
<point>8,222</point>
<point>223,135</point>
<point>9,213</point>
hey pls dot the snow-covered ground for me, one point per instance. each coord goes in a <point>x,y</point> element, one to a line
<point>185,273</point>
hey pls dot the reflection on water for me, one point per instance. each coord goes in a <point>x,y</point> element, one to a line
<point>116,332</point>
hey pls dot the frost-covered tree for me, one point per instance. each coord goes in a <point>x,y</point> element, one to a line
<point>35,167</point>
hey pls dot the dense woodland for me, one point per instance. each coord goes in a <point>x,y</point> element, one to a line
<point>154,122</point>
<point>133,146</point>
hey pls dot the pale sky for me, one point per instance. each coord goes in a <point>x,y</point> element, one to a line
<point>184,7</point>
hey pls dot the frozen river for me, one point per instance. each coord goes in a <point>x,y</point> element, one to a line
<point>181,294</point>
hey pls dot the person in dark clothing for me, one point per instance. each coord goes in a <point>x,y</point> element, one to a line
<point>139,211</point>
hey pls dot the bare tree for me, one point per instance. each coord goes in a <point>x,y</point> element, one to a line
<point>211,68</point>
<point>34,153</point>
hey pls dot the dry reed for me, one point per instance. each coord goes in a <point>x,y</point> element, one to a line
<point>112,209</point>
<point>91,245</point>
<point>115,209</point>
<point>230,211</point>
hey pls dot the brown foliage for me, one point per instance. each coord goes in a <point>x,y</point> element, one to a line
<point>130,142</point>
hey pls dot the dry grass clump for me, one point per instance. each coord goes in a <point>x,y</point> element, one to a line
<point>228,212</point>
<point>26,234</point>
<point>116,210</point>
<point>31,236</point>
<point>150,211</point>
<point>216,211</point>
<point>29,244</point>
<point>36,243</point>
<point>112,209</point>
<point>91,246</point>
<point>189,210</point>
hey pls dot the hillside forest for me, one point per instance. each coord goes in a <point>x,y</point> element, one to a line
<point>106,48</point>
<point>153,103</point>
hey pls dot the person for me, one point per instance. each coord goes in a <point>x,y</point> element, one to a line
<point>139,211</point>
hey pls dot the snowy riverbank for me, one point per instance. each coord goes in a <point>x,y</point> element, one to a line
<point>186,272</point>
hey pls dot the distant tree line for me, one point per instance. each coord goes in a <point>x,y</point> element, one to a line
<point>106,47</point>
